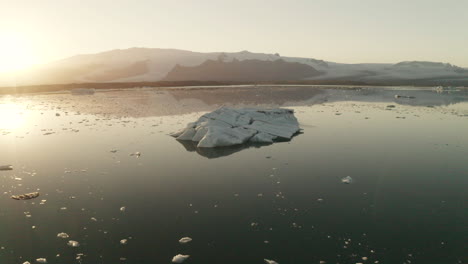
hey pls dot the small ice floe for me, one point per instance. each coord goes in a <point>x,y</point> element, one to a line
<point>41,260</point>
<point>63,235</point>
<point>185,240</point>
<point>347,180</point>
<point>79,256</point>
<point>123,242</point>
<point>269,261</point>
<point>180,258</point>
<point>26,196</point>
<point>229,126</point>
<point>26,262</point>
<point>73,243</point>
<point>122,209</point>
<point>43,201</point>
<point>6,167</point>
<point>404,96</point>
<point>93,219</point>
<point>136,154</point>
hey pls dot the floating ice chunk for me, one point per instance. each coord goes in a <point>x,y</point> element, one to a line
<point>180,258</point>
<point>122,209</point>
<point>136,154</point>
<point>26,262</point>
<point>269,261</point>
<point>63,235</point>
<point>123,242</point>
<point>26,196</point>
<point>229,126</point>
<point>347,180</point>
<point>185,240</point>
<point>41,260</point>
<point>6,167</point>
<point>73,243</point>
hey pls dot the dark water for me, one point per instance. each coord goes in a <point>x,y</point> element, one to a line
<point>285,202</point>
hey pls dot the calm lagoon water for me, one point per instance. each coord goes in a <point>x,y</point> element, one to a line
<point>284,202</point>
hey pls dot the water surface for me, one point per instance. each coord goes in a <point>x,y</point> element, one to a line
<point>286,201</point>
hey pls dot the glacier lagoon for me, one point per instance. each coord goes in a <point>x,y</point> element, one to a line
<point>107,171</point>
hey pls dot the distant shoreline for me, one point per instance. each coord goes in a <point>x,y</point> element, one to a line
<point>173,84</point>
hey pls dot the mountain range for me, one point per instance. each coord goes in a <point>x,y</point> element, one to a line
<point>152,64</point>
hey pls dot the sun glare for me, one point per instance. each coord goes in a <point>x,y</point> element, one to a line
<point>10,116</point>
<point>15,52</point>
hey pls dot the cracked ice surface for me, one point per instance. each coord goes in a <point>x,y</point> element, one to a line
<point>229,126</point>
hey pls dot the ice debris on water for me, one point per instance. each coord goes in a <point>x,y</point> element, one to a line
<point>180,258</point>
<point>229,126</point>
<point>41,260</point>
<point>185,240</point>
<point>123,242</point>
<point>26,262</point>
<point>6,167</point>
<point>25,196</point>
<point>136,154</point>
<point>122,209</point>
<point>73,243</point>
<point>347,180</point>
<point>62,235</point>
<point>269,261</point>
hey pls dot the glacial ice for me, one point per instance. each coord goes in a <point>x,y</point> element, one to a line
<point>347,180</point>
<point>6,167</point>
<point>180,258</point>
<point>229,126</point>
<point>185,240</point>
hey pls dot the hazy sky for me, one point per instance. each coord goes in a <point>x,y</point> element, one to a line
<point>348,31</point>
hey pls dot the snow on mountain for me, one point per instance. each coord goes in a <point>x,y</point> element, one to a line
<point>148,64</point>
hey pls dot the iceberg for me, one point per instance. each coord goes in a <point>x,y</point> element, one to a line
<point>229,126</point>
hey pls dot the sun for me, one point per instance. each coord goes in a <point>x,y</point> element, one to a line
<point>16,52</point>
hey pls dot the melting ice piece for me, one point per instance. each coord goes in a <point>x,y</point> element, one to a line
<point>180,258</point>
<point>41,260</point>
<point>62,235</point>
<point>228,126</point>
<point>124,241</point>
<point>26,196</point>
<point>136,154</point>
<point>6,167</point>
<point>26,262</point>
<point>185,240</point>
<point>347,180</point>
<point>122,209</point>
<point>269,261</point>
<point>73,243</point>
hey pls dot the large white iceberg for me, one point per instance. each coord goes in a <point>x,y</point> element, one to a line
<point>229,126</point>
